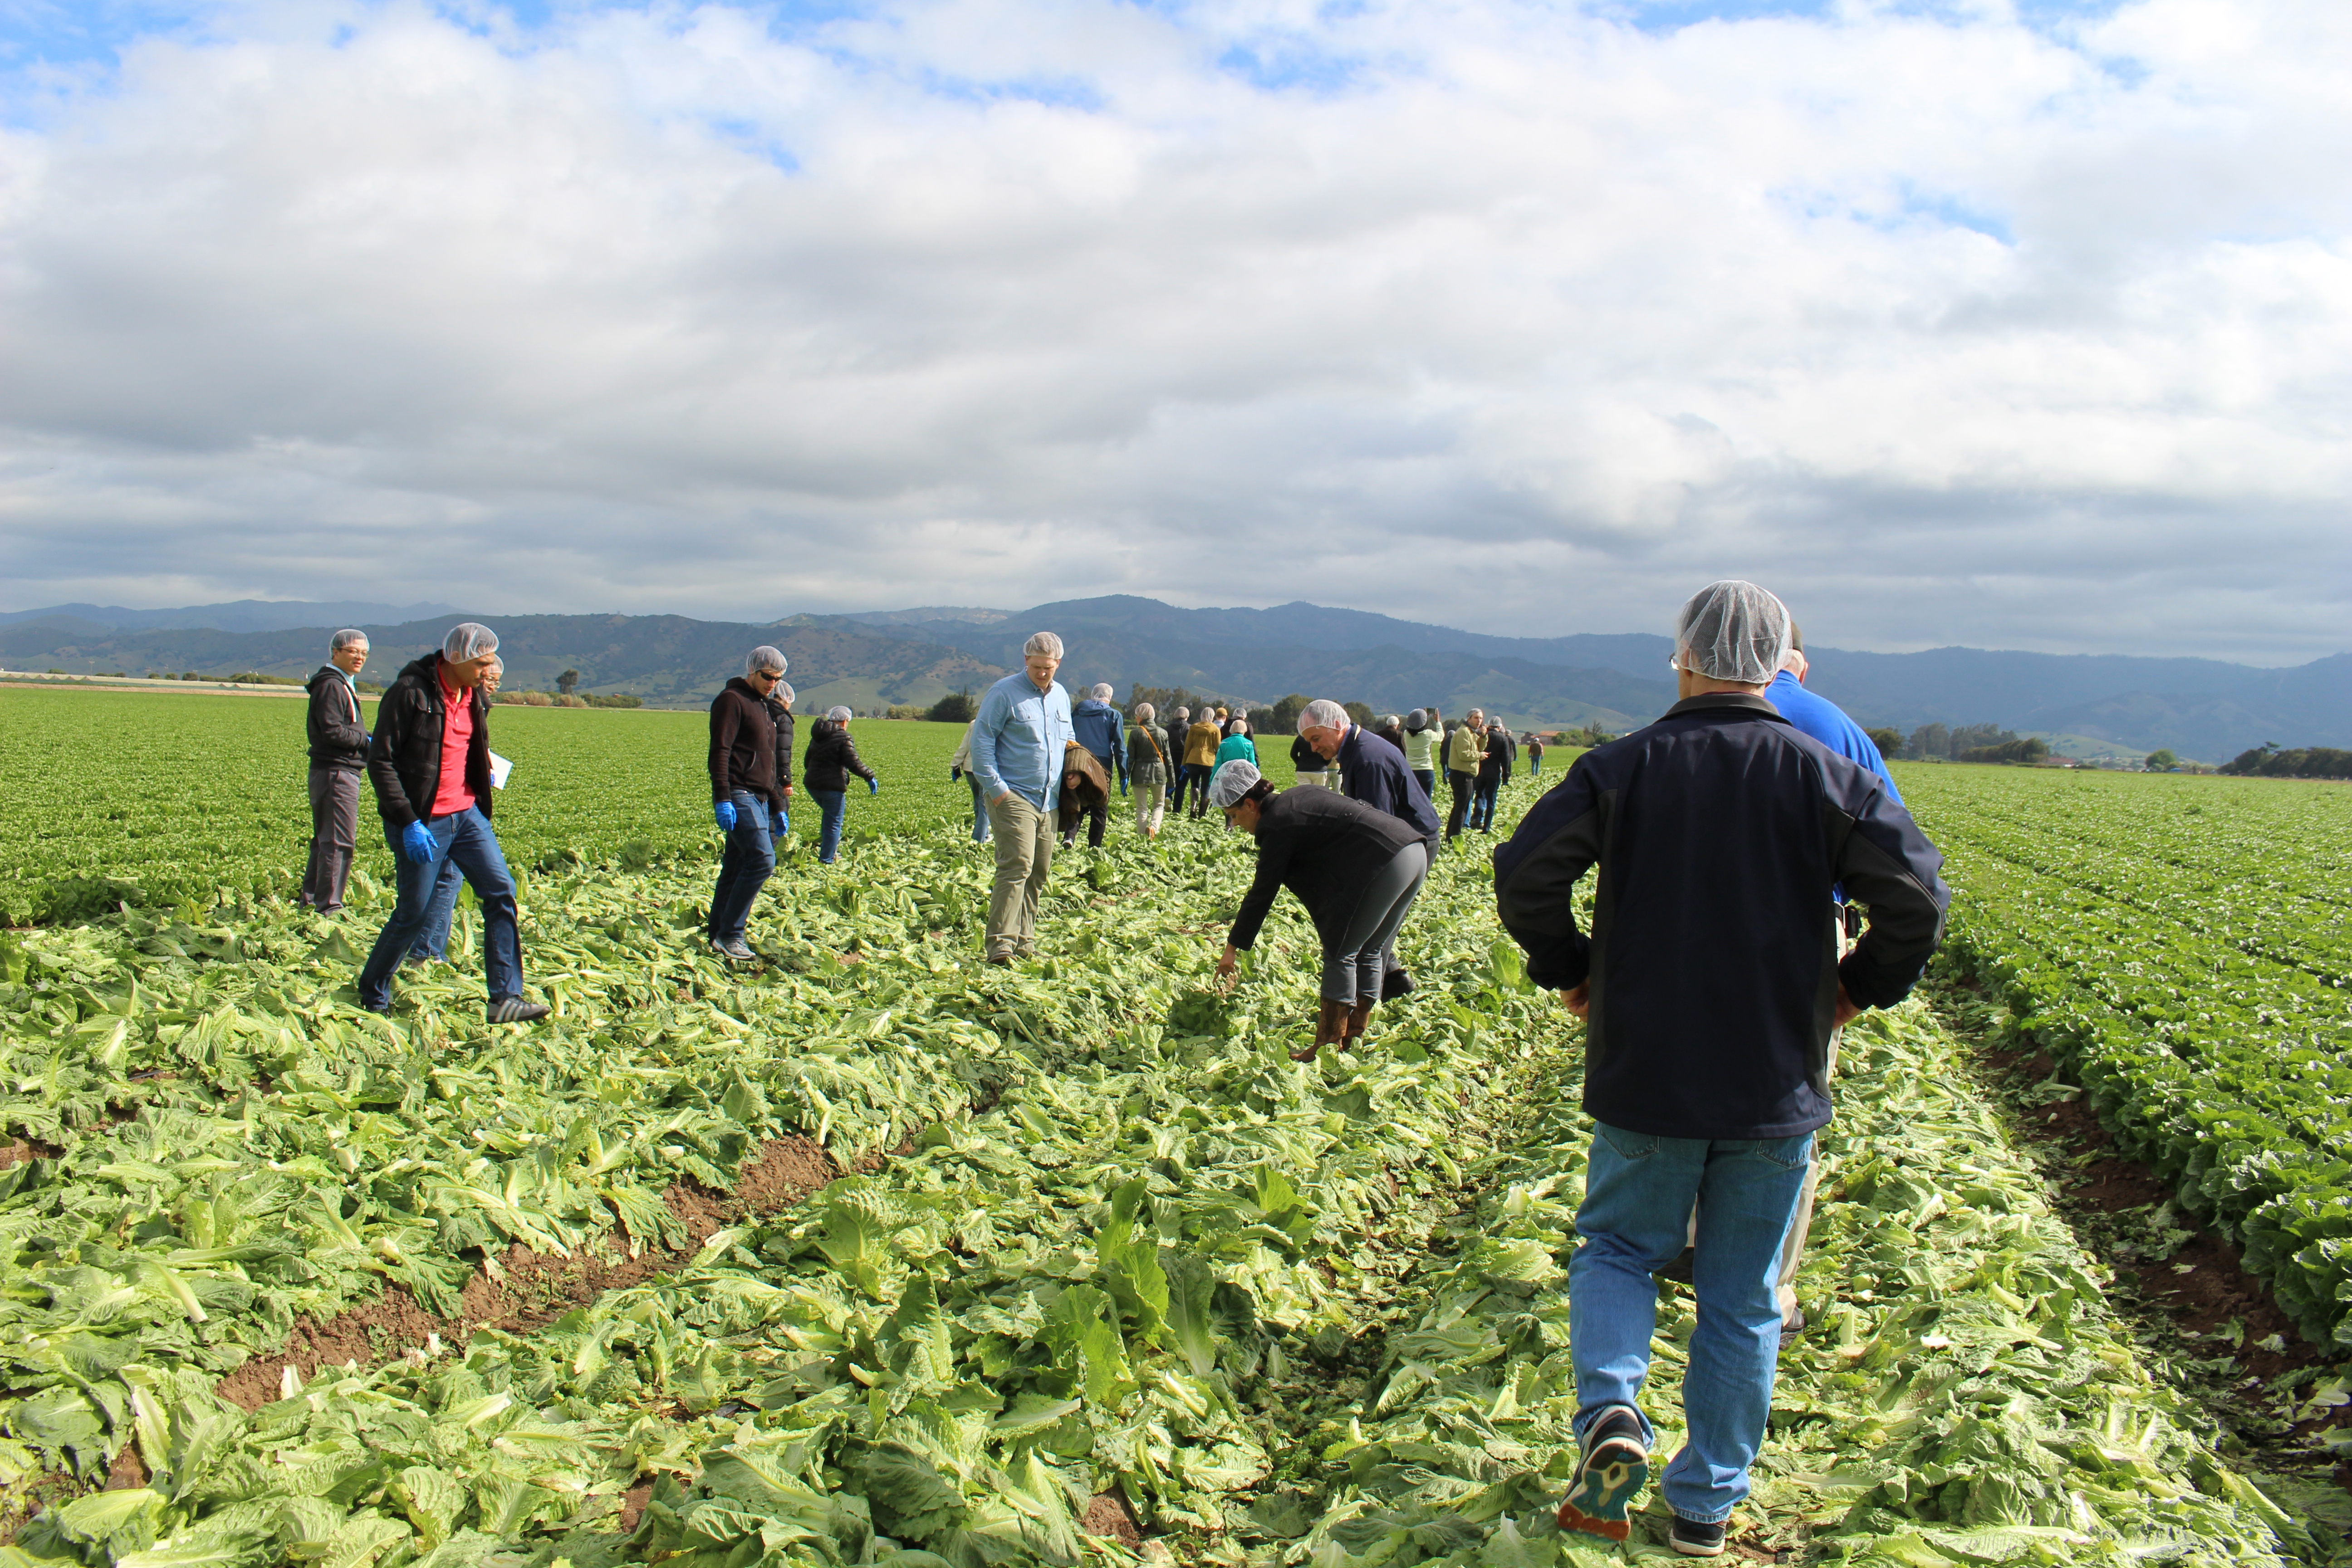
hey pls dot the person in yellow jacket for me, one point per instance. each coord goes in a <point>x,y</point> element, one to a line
<point>1466,750</point>
<point>1201,743</point>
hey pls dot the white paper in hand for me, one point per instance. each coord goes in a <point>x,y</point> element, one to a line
<point>499,769</point>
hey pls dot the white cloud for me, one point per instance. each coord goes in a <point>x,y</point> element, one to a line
<point>1502,314</point>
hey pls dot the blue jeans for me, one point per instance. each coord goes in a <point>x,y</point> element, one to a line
<point>745,867</point>
<point>979,810</point>
<point>1638,1194</point>
<point>1535,766</point>
<point>433,942</point>
<point>832,802</point>
<point>1428,777</point>
<point>464,838</point>
<point>1482,803</point>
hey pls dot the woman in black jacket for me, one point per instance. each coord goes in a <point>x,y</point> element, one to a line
<point>1356,869</point>
<point>832,759</point>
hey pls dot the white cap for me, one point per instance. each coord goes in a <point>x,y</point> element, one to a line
<point>1733,631</point>
<point>468,640</point>
<point>1231,782</point>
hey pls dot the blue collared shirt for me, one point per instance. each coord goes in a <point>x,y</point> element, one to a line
<point>1018,740</point>
<point>1825,722</point>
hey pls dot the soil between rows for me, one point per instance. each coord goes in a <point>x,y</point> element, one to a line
<point>2220,1332</point>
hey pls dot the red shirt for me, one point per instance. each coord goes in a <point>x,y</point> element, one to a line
<point>457,739</point>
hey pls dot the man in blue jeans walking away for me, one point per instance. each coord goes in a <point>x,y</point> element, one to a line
<point>1710,986</point>
<point>747,796</point>
<point>430,764</point>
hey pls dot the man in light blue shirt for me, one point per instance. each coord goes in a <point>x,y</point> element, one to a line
<point>1016,753</point>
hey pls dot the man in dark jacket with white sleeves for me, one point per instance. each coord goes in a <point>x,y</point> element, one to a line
<point>1711,988</point>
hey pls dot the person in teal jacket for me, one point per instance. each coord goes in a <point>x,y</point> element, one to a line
<point>1237,743</point>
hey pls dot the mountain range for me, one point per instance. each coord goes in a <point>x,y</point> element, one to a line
<point>2200,707</point>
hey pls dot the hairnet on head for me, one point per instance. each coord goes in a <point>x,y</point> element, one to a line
<point>1145,712</point>
<point>468,640</point>
<point>1390,721</point>
<point>1231,782</point>
<point>1733,631</point>
<point>350,637</point>
<point>1240,726</point>
<point>1184,712</point>
<point>1042,644</point>
<point>1101,693</point>
<point>1322,715</point>
<point>783,693</point>
<point>1416,722</point>
<point>838,715</point>
<point>760,660</point>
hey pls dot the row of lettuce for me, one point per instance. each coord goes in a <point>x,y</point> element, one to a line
<point>2179,947</point>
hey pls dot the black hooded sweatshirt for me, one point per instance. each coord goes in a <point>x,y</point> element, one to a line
<point>337,734</point>
<point>404,760</point>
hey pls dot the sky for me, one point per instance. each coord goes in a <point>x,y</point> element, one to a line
<point>1967,323</point>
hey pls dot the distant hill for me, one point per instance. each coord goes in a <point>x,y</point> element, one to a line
<point>2200,707</point>
<point>242,616</point>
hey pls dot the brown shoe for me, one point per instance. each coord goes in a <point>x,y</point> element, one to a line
<point>1330,1028</point>
<point>1360,1017</point>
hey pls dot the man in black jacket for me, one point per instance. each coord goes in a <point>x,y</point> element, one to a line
<point>1373,770</point>
<point>430,764</point>
<point>746,799</point>
<point>339,741</point>
<point>1711,988</point>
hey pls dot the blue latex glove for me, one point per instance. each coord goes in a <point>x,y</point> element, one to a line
<point>780,822</point>
<point>416,842</point>
<point>955,775</point>
<point>873,786</point>
<point>725,812</point>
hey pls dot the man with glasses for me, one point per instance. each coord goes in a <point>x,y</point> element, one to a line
<point>747,795</point>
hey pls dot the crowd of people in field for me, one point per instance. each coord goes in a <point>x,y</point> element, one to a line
<point>1736,843</point>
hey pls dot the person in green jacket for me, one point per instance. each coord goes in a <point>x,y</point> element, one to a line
<point>1465,752</point>
<point>1237,743</point>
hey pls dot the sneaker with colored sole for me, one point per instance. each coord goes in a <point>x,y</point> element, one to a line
<point>515,1010</point>
<point>1693,1538</point>
<point>1614,1465</point>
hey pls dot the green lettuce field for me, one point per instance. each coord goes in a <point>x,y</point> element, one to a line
<point>870,1254</point>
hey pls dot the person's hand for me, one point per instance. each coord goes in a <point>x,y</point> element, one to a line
<point>724,811</point>
<point>955,775</point>
<point>780,822</point>
<point>416,842</point>
<point>1000,799</point>
<point>873,786</point>
<point>1848,1010</point>
<point>788,792</point>
<point>1227,963</point>
<point>1579,1000</point>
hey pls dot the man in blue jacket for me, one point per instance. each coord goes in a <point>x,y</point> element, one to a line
<point>1711,985</point>
<point>1016,753</point>
<point>1099,727</point>
<point>1822,719</point>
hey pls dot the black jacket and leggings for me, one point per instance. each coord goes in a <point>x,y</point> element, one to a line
<point>1357,870</point>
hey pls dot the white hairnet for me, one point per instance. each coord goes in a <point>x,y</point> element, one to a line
<point>1042,643</point>
<point>838,715</point>
<point>1101,693</point>
<point>1733,631</point>
<point>783,693</point>
<point>1238,727</point>
<point>1184,712</point>
<point>1231,782</point>
<point>764,659</point>
<point>1322,715</point>
<point>468,640</point>
<point>350,637</point>
<point>1145,713</point>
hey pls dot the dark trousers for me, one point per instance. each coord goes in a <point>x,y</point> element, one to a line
<point>1461,784</point>
<point>466,837</point>
<point>1097,818</point>
<point>744,868</point>
<point>334,837</point>
<point>1196,775</point>
<point>1482,803</point>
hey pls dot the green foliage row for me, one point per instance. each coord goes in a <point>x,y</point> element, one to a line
<point>171,802</point>
<point>2183,948</point>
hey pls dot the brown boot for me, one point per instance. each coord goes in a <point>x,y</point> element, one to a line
<point>1330,1029</point>
<point>1360,1017</point>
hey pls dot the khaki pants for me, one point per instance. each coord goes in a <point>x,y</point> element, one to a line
<point>1023,837</point>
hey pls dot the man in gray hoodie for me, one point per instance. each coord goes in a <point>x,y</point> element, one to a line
<point>339,742</point>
